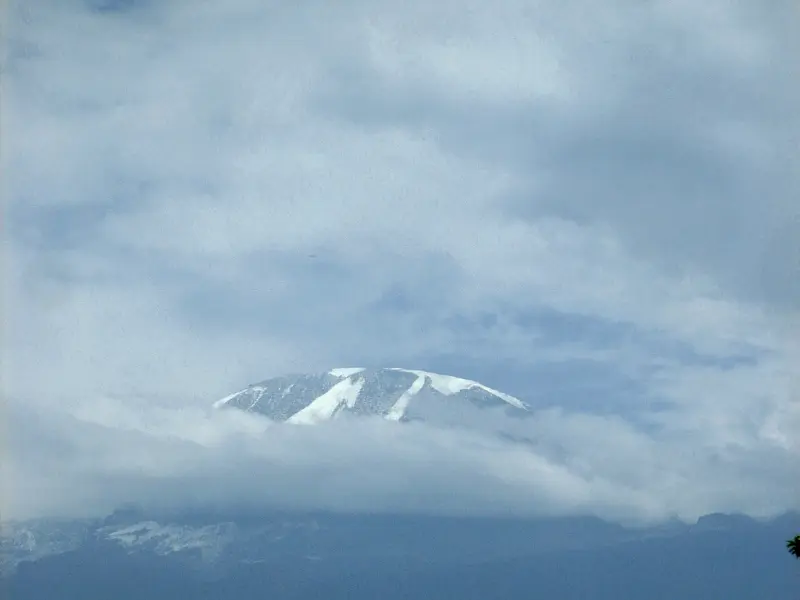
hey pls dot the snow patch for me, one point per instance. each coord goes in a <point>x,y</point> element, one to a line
<point>257,389</point>
<point>449,386</point>
<point>325,407</point>
<point>516,402</point>
<point>399,408</point>
<point>167,539</point>
<point>226,399</point>
<point>345,371</point>
<point>259,393</point>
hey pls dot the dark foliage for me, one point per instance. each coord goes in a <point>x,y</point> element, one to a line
<point>793,545</point>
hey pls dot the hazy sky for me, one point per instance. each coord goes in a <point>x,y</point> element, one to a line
<point>590,205</point>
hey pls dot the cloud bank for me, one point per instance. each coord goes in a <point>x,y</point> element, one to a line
<point>590,207</point>
<point>551,464</point>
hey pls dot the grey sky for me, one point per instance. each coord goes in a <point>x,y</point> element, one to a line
<point>589,205</point>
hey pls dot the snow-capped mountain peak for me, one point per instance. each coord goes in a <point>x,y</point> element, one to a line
<point>395,393</point>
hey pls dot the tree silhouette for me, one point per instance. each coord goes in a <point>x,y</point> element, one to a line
<point>793,546</point>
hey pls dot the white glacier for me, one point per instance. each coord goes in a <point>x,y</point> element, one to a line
<point>324,407</point>
<point>398,409</point>
<point>449,385</point>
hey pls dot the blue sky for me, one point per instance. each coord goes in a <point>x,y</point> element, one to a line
<point>590,205</point>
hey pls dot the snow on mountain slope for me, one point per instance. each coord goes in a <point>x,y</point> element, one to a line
<point>399,408</point>
<point>208,540</point>
<point>343,394</point>
<point>448,385</point>
<point>35,539</point>
<point>393,393</point>
<point>202,541</point>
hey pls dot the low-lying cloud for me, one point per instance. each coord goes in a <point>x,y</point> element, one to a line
<point>552,463</point>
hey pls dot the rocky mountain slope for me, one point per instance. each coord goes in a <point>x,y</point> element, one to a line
<point>392,393</point>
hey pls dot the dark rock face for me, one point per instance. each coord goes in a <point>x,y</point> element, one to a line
<point>305,556</point>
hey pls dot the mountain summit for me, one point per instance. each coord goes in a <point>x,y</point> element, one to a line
<point>392,393</point>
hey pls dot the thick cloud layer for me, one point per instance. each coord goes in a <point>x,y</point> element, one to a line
<point>589,205</point>
<point>553,463</point>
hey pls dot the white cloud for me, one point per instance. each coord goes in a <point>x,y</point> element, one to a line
<point>166,457</point>
<point>172,168</point>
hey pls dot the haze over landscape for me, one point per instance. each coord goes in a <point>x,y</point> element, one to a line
<point>587,211</point>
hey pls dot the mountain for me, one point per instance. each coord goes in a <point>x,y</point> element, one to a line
<point>288,554</point>
<point>32,540</point>
<point>392,393</point>
<point>215,540</point>
<point>303,556</point>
